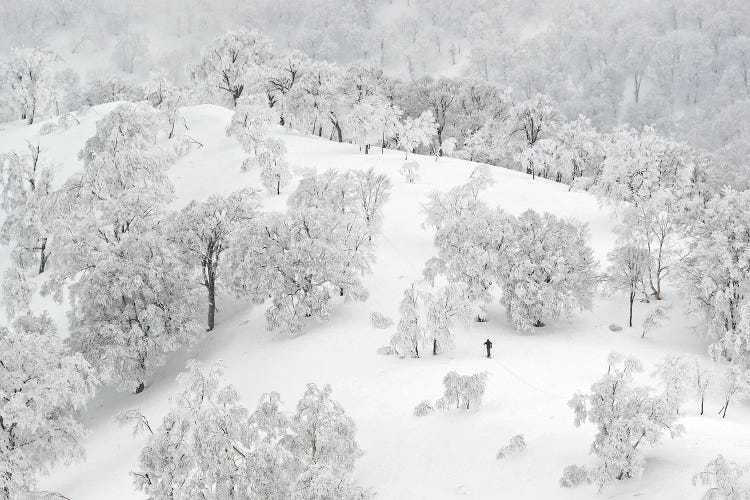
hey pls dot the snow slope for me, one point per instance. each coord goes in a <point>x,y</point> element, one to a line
<point>442,456</point>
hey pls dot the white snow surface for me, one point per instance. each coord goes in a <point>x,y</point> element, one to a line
<point>447,454</point>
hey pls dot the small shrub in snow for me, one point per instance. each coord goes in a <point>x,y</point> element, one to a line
<point>573,475</point>
<point>724,479</point>
<point>410,171</point>
<point>515,446</point>
<point>424,408</point>
<point>386,350</point>
<point>628,418</point>
<point>462,391</point>
<point>47,128</point>
<point>653,320</point>
<point>614,327</point>
<point>380,321</point>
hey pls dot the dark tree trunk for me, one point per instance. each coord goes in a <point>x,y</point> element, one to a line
<point>211,305</point>
<point>434,347</point>
<point>339,133</point>
<point>140,388</point>
<point>702,398</point>
<point>43,255</point>
<point>630,318</point>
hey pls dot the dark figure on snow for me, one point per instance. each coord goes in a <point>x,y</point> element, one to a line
<point>488,345</point>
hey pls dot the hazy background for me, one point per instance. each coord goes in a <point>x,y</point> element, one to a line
<point>683,66</point>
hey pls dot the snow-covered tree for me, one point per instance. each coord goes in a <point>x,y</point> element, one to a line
<point>204,231</point>
<point>714,274</point>
<point>627,272</point>
<point>319,249</point>
<point>448,148</point>
<point>373,120</point>
<point>674,374</point>
<point>628,418</point>
<point>700,378</point>
<point>231,63</point>
<point>423,409</point>
<point>274,169</point>
<point>43,386</point>
<point>534,118</point>
<point>249,125</point>
<point>471,239</point>
<point>463,391</point>
<point>324,433</point>
<point>209,445</point>
<point>26,199</point>
<point>312,103</point>
<point>410,171</point>
<point>284,73</point>
<point>29,75</point>
<point>551,271</point>
<point>726,480</point>
<point>373,191</point>
<point>380,321</point>
<point>16,291</point>
<point>416,132</point>
<point>640,164</point>
<point>134,300</point>
<point>444,306</point>
<point>410,335</point>
<point>735,386</point>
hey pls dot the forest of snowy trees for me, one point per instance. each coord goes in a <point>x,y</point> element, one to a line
<point>643,105</point>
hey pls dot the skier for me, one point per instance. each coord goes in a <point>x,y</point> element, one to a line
<point>488,345</point>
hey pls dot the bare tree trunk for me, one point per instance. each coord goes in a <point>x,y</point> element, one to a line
<point>632,299</point>
<point>42,255</point>
<point>211,287</point>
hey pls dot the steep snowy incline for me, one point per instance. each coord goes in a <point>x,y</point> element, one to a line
<point>443,456</point>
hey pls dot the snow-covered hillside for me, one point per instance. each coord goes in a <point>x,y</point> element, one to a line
<point>442,456</point>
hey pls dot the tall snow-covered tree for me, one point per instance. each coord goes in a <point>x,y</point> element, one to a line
<point>16,291</point>
<point>302,259</point>
<point>534,118</point>
<point>204,230</point>
<point>410,333</point>
<point>551,270</point>
<point>416,132</point>
<point>274,169</point>
<point>627,272</point>
<point>26,199</point>
<point>715,274</point>
<point>232,63</point>
<point>43,386</point>
<point>29,74</point>
<point>628,418</point>
<point>133,301</point>
<point>444,306</point>
<point>249,125</point>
